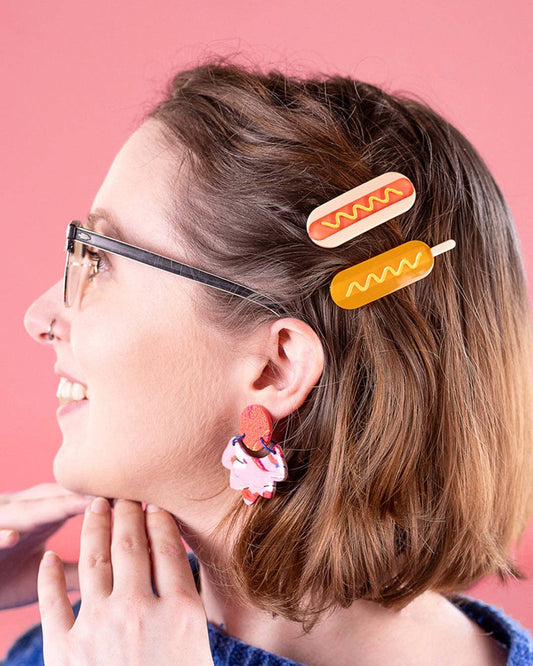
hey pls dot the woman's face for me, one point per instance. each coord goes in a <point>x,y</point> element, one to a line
<point>161,401</point>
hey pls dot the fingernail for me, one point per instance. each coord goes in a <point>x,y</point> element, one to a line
<point>7,534</point>
<point>49,558</point>
<point>151,508</point>
<point>100,505</point>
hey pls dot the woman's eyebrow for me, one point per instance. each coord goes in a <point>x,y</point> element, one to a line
<point>110,228</point>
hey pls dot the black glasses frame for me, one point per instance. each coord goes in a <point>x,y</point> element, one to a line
<point>75,232</point>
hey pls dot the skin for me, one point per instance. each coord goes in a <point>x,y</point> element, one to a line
<point>166,391</point>
<point>32,516</point>
<point>118,603</point>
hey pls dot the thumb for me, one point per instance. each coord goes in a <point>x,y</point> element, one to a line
<point>71,576</point>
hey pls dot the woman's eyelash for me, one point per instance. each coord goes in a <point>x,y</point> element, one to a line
<point>99,257</point>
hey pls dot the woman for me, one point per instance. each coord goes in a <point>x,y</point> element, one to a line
<point>398,425</point>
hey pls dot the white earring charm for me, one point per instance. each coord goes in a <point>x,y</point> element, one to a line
<point>256,463</point>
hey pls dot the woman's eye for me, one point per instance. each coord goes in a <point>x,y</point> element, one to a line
<point>99,260</point>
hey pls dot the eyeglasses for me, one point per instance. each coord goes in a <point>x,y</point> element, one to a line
<point>83,263</point>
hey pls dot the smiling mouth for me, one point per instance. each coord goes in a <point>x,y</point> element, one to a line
<point>70,406</point>
<point>68,391</point>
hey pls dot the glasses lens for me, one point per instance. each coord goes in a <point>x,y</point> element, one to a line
<point>77,270</point>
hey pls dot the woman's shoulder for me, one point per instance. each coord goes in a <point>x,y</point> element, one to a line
<point>28,648</point>
<point>227,650</point>
<point>508,632</point>
<point>516,641</point>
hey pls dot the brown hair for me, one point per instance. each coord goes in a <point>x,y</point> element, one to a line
<point>410,460</point>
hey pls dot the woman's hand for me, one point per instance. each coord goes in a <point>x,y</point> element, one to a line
<point>27,519</point>
<point>121,621</point>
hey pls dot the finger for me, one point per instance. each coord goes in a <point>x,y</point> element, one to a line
<point>56,612</point>
<point>72,576</point>
<point>25,514</point>
<point>172,571</point>
<point>44,490</point>
<point>129,550</point>
<point>8,538</point>
<point>94,567</point>
<point>39,490</point>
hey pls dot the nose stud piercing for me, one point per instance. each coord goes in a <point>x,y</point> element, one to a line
<point>49,333</point>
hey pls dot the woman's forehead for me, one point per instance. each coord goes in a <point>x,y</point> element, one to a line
<point>144,153</point>
<point>136,188</point>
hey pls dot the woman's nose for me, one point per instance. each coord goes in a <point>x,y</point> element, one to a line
<point>46,317</point>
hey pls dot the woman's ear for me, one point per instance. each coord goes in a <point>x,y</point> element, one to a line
<point>285,361</point>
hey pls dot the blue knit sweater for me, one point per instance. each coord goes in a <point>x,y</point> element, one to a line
<point>229,651</point>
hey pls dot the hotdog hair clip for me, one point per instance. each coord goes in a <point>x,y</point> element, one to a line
<point>351,214</point>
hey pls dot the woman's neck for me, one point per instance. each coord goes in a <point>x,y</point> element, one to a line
<point>428,630</point>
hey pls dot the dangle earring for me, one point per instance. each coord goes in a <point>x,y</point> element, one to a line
<point>256,462</point>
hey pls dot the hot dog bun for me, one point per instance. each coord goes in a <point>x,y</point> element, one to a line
<point>360,209</point>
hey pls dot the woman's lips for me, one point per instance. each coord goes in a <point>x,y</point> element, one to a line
<point>71,406</point>
<point>62,373</point>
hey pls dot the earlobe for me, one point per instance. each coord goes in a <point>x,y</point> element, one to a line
<point>291,363</point>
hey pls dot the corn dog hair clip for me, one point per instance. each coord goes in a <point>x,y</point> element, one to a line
<point>360,209</point>
<point>385,273</point>
<point>256,462</point>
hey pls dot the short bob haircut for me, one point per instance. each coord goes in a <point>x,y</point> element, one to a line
<point>410,460</point>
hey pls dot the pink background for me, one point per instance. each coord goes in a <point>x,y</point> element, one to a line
<point>76,77</point>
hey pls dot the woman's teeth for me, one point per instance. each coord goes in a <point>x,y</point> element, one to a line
<point>68,391</point>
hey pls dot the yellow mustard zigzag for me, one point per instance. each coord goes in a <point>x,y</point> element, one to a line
<point>404,262</point>
<point>370,208</point>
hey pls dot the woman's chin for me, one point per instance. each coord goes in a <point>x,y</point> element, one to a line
<point>72,473</point>
<point>86,477</point>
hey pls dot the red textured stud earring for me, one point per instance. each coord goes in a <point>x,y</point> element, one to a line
<point>256,462</point>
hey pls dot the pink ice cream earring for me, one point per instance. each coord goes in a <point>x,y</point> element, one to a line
<point>256,462</point>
